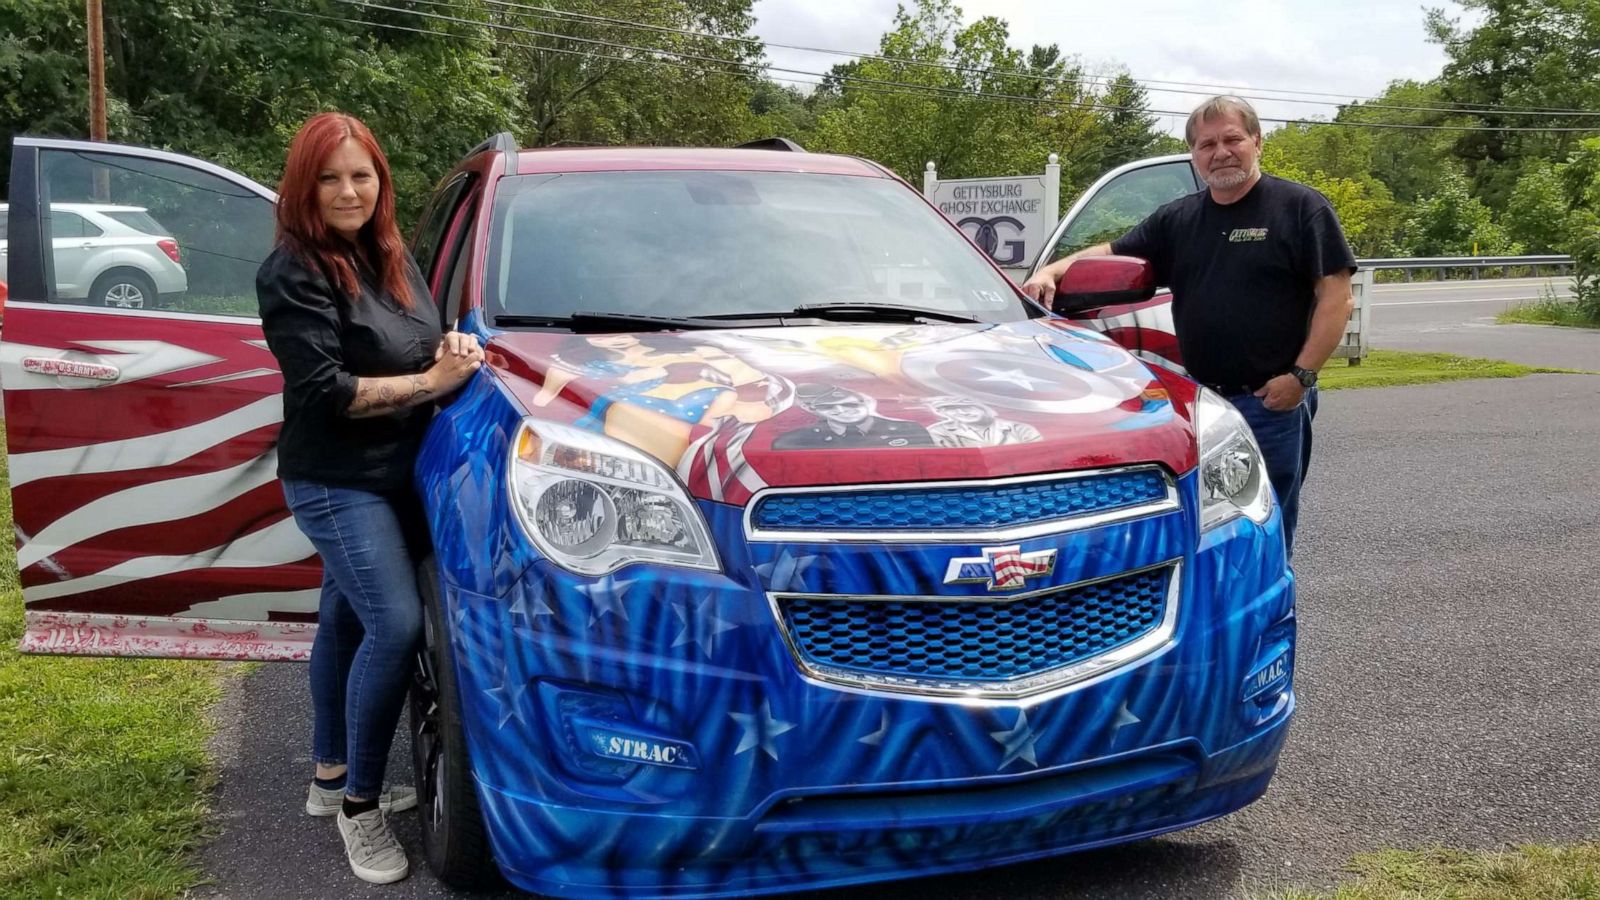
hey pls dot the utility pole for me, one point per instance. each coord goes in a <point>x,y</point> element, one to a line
<point>97,95</point>
<point>97,73</point>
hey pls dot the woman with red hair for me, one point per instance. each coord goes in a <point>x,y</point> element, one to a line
<point>349,318</point>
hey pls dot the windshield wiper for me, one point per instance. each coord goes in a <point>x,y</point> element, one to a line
<point>599,321</point>
<point>893,311</point>
<point>592,321</point>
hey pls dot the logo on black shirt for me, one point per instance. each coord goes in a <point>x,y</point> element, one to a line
<point>1242,235</point>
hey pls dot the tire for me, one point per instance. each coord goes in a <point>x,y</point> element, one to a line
<point>454,839</point>
<point>123,289</point>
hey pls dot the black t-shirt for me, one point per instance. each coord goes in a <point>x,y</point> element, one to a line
<point>1243,276</point>
<point>324,341</point>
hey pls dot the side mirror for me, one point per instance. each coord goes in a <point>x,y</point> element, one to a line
<point>1103,281</point>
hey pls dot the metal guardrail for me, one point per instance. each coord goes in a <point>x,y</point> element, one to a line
<point>1439,265</point>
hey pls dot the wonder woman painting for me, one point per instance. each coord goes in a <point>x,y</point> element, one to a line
<point>656,388</point>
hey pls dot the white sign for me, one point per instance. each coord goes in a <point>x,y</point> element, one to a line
<point>1009,218</point>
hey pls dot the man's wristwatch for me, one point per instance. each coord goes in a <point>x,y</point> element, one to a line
<point>1306,377</point>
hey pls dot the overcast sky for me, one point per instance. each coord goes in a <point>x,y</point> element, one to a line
<point>1352,48</point>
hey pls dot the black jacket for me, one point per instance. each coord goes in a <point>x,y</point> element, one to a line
<point>324,340</point>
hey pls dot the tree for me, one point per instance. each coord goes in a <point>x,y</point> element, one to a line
<point>1580,181</point>
<point>1409,161</point>
<point>918,104</point>
<point>43,88</point>
<point>591,76</point>
<point>1538,214</point>
<point>1129,126</point>
<point>230,80</point>
<point>1537,54</point>
<point>1454,223</point>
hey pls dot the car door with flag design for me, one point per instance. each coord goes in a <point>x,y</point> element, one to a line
<point>1121,199</point>
<point>141,441</point>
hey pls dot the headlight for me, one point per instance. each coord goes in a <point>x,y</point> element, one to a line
<point>1233,476</point>
<point>592,504</point>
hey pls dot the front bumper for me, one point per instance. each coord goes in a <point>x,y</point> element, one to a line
<point>732,772</point>
<point>870,837</point>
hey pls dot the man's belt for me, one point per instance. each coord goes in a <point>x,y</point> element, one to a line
<point>1231,390</point>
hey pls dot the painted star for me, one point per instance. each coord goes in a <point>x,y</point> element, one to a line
<point>605,596</point>
<point>875,739</point>
<point>1010,376</point>
<point>1018,743</point>
<point>519,606</point>
<point>1124,719</point>
<point>507,699</point>
<point>759,730</point>
<point>701,626</point>
<point>784,573</point>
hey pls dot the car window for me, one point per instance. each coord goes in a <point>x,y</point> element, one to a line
<point>430,231</point>
<point>65,224</point>
<point>455,257</point>
<point>137,219</point>
<point>206,235</point>
<point>1124,203</point>
<point>697,243</point>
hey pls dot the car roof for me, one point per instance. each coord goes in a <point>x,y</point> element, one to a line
<point>633,159</point>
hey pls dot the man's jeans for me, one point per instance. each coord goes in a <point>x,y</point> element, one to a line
<point>1285,440</point>
<point>368,625</point>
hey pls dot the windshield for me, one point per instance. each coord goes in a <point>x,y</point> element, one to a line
<point>693,243</point>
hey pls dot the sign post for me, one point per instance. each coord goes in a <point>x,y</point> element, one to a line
<point>1009,218</point>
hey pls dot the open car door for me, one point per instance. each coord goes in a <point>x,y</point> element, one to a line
<point>141,439</point>
<point>1121,199</point>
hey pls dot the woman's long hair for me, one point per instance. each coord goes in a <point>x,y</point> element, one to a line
<point>300,224</point>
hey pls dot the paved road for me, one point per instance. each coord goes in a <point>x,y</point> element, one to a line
<point>1407,303</point>
<point>1460,317</point>
<point>1446,671</point>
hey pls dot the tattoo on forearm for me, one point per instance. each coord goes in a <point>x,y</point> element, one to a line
<point>381,396</point>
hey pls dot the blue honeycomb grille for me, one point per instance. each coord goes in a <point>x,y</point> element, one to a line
<point>914,508</point>
<point>975,640</point>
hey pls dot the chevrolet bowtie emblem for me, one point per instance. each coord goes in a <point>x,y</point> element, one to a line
<point>1003,568</point>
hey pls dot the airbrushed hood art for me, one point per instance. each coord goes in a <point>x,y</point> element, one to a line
<point>739,410</point>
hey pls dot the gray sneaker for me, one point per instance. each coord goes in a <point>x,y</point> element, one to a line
<point>374,853</point>
<point>323,802</point>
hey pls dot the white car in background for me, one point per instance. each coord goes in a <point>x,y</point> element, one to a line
<point>108,255</point>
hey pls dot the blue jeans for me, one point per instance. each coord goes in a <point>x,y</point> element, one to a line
<point>368,626</point>
<point>1285,440</point>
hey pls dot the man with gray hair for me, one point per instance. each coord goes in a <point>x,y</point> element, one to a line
<point>1260,277</point>
<point>964,422</point>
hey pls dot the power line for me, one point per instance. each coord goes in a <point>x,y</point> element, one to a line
<point>583,53</point>
<point>1087,80</point>
<point>911,88</point>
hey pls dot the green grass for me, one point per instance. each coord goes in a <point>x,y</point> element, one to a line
<point>103,769</point>
<point>1387,368</point>
<point>1547,311</point>
<point>216,304</point>
<point>1525,873</point>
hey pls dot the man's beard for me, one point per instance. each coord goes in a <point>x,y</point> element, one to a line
<point>1233,179</point>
